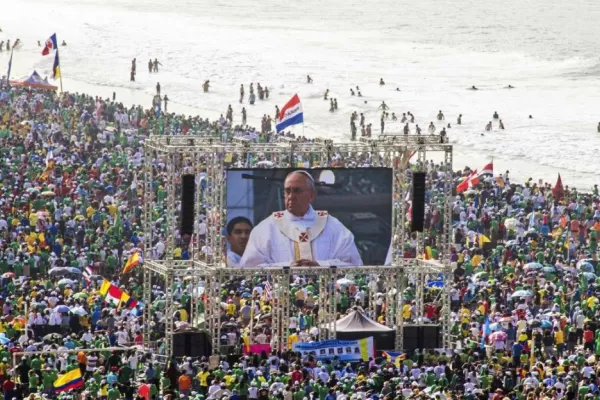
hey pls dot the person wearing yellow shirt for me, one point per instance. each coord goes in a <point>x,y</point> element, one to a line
<point>18,325</point>
<point>406,314</point>
<point>33,218</point>
<point>559,338</point>
<point>177,253</point>
<point>476,260</point>
<point>112,209</point>
<point>230,308</point>
<point>68,291</point>
<point>202,377</point>
<point>293,338</point>
<point>90,211</point>
<point>183,315</point>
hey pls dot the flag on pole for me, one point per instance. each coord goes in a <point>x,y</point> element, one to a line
<point>290,114</point>
<point>488,169</point>
<point>483,239</point>
<point>56,67</point>
<point>133,261</point>
<point>558,192</point>
<point>87,274</point>
<point>9,65</point>
<point>70,380</point>
<point>50,45</point>
<point>114,295</point>
<point>468,182</point>
<point>268,290</point>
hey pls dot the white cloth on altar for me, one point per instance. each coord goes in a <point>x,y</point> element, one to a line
<point>268,246</point>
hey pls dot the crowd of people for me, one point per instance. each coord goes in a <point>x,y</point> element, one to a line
<point>524,296</point>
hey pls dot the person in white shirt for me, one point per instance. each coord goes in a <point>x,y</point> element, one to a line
<point>238,233</point>
<point>300,236</point>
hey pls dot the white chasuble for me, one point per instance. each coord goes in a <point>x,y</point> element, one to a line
<point>283,238</point>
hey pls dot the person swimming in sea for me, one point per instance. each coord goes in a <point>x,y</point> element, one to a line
<point>473,88</point>
<point>308,79</point>
<point>501,125</point>
<point>510,87</point>
<point>598,127</point>
<point>352,92</point>
<point>488,127</point>
<point>206,86</point>
<point>39,44</point>
<point>381,82</point>
<point>63,43</point>
<point>496,116</point>
<point>326,95</point>
<point>459,119</point>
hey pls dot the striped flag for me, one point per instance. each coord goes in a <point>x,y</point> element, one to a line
<point>133,261</point>
<point>268,290</point>
<point>87,274</point>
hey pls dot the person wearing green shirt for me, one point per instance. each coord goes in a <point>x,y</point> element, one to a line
<point>113,394</point>
<point>35,363</point>
<point>34,381</point>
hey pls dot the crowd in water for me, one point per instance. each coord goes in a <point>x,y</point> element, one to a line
<point>524,307</point>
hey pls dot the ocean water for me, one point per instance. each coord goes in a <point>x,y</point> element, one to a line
<point>431,50</point>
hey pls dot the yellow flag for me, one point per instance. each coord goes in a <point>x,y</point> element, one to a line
<point>483,239</point>
<point>105,286</point>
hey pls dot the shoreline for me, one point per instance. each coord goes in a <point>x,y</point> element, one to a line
<point>520,171</point>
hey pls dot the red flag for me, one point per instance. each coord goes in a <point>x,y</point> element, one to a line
<point>470,181</point>
<point>558,192</point>
<point>114,295</point>
<point>488,169</point>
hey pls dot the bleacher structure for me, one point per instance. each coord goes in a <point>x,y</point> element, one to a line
<point>208,158</point>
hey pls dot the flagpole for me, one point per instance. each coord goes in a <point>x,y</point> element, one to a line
<point>9,66</point>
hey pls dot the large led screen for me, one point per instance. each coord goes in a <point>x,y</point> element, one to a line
<point>292,217</point>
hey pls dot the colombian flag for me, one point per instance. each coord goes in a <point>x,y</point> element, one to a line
<point>128,301</point>
<point>68,381</point>
<point>132,262</point>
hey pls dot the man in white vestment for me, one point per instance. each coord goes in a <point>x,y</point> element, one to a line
<point>238,232</point>
<point>300,236</point>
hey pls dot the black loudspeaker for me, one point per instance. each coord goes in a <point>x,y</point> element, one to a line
<point>431,336</point>
<point>411,338</point>
<point>191,344</point>
<point>418,202</point>
<point>188,200</point>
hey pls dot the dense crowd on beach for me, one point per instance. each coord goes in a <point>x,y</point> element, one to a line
<point>524,297</point>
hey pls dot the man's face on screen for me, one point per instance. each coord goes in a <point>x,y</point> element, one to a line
<point>298,194</point>
<point>239,237</point>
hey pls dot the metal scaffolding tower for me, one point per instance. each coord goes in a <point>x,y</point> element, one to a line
<point>167,158</point>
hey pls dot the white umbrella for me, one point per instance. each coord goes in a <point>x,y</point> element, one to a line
<point>79,311</point>
<point>511,223</point>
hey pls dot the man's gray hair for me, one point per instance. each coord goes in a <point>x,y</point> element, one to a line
<point>311,180</point>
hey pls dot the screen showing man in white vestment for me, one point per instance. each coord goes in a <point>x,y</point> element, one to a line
<point>302,220</point>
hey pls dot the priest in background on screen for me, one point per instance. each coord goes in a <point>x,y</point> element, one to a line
<point>238,232</point>
<point>300,236</point>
